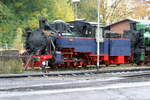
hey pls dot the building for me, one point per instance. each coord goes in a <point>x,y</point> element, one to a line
<point>125,24</point>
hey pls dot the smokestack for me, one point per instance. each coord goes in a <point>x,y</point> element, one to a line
<point>42,23</point>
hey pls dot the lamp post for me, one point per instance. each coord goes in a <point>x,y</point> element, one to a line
<point>99,37</point>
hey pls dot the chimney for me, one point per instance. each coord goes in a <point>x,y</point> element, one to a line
<point>42,23</point>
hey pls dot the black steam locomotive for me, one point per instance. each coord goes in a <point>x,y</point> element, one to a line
<point>73,43</point>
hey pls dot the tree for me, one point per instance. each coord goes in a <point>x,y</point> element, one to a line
<point>113,10</point>
<point>16,14</point>
<point>7,26</point>
<point>108,12</point>
<point>62,10</point>
<point>141,10</point>
<point>18,44</point>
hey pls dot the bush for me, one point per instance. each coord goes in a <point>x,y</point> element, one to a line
<point>10,65</point>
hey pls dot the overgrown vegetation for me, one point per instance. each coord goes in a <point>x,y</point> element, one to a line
<point>18,14</point>
<point>10,65</point>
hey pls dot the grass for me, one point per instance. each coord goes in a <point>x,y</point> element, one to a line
<point>10,66</point>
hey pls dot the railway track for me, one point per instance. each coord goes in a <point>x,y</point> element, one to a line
<point>79,73</point>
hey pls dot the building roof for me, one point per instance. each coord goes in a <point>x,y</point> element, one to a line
<point>141,21</point>
<point>131,20</point>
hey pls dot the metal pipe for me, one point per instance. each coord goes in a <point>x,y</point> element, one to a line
<point>98,34</point>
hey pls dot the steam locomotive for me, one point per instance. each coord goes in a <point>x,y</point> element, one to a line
<point>140,43</point>
<point>73,44</point>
